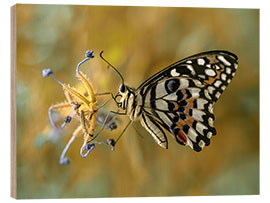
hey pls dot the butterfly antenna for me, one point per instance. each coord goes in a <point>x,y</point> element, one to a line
<point>110,65</point>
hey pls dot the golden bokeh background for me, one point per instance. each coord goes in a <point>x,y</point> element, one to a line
<point>139,41</point>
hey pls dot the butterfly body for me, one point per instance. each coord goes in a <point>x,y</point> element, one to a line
<point>180,98</point>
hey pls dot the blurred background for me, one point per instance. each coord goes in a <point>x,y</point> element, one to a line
<point>138,41</point>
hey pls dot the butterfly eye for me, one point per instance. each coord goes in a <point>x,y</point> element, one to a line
<point>122,88</point>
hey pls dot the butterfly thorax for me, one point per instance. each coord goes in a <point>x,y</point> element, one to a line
<point>131,102</point>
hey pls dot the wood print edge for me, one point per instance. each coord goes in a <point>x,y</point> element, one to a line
<point>13,104</point>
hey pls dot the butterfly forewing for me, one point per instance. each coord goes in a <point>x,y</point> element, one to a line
<point>215,69</point>
<point>180,98</point>
<point>206,66</point>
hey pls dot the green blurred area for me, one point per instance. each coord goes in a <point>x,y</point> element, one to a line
<point>139,41</point>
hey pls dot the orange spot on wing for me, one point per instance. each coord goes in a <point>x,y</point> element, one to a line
<point>176,106</point>
<point>180,123</point>
<point>212,79</point>
<point>190,103</point>
<point>181,137</point>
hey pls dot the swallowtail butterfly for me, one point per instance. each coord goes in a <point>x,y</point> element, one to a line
<point>181,98</point>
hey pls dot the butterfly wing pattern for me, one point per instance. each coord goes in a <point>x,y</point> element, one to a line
<point>181,97</point>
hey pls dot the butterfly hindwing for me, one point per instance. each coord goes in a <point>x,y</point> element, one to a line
<point>194,126</point>
<point>180,105</point>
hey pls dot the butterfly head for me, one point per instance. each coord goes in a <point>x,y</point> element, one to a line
<point>122,88</point>
<point>122,96</point>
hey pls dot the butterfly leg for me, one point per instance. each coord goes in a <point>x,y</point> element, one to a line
<point>107,93</point>
<point>102,127</point>
<point>130,121</point>
<point>104,93</point>
<point>110,142</point>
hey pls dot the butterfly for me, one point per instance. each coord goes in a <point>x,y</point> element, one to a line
<point>180,98</point>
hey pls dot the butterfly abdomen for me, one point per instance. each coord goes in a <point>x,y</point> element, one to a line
<point>133,105</point>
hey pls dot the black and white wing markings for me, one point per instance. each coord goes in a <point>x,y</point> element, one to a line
<point>214,68</point>
<point>181,107</point>
<point>181,97</point>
